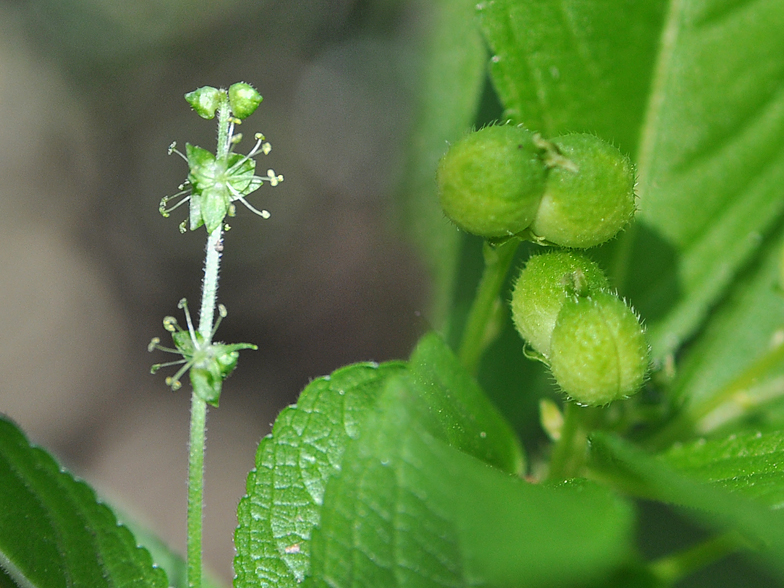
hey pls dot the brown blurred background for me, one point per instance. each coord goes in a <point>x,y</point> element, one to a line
<point>91,97</point>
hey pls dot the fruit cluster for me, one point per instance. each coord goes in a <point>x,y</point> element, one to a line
<point>574,191</point>
<point>593,342</point>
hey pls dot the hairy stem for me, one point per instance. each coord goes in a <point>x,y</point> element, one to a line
<point>480,329</point>
<point>196,489</point>
<point>209,299</point>
<point>209,287</point>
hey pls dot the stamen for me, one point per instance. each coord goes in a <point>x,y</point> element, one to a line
<point>262,213</point>
<point>165,212</point>
<point>173,149</point>
<point>222,312</point>
<point>154,369</point>
<point>183,304</point>
<point>274,180</point>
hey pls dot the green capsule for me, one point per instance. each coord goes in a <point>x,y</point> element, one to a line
<point>589,197</point>
<point>543,287</point>
<point>598,350</point>
<point>491,181</point>
<point>243,99</point>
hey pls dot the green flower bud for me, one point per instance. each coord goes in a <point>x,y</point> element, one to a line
<point>491,181</point>
<point>589,196</point>
<point>542,288</point>
<point>243,99</point>
<point>598,349</point>
<point>204,101</point>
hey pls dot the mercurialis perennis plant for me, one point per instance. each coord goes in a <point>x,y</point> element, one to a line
<point>604,286</point>
<point>215,182</point>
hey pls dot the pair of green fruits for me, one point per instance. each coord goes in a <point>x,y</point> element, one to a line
<point>563,307</point>
<point>574,191</point>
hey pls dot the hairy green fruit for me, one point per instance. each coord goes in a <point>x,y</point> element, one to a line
<point>491,181</point>
<point>598,349</point>
<point>544,285</point>
<point>589,195</point>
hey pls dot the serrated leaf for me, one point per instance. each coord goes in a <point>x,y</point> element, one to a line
<point>470,422</point>
<point>749,464</point>
<point>450,77</point>
<point>408,509</point>
<point>652,478</point>
<point>53,530</point>
<point>164,556</point>
<point>285,491</point>
<point>646,75</point>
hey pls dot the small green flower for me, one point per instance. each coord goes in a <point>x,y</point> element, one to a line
<point>244,99</point>
<point>209,363</point>
<point>215,183</point>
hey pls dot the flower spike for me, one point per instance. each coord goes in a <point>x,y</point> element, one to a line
<point>215,182</point>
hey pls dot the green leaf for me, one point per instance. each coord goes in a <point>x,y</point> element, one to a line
<point>307,443</point>
<point>642,474</point>
<point>574,66</point>
<point>207,382</point>
<point>215,202</point>
<point>285,491</point>
<point>408,509</point>
<point>749,464</point>
<point>202,167</point>
<point>164,556</point>
<point>194,214</point>
<point>711,162</point>
<point>469,420</point>
<point>53,530</point>
<point>450,77</point>
<point>241,175</point>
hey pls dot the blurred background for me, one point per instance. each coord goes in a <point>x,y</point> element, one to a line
<point>91,95</point>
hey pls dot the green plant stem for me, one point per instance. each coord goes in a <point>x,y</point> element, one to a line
<point>733,399</point>
<point>209,289</point>
<point>196,489</point>
<point>673,568</point>
<point>569,453</point>
<point>480,330</point>
<point>209,297</point>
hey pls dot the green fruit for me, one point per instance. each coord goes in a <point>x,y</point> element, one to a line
<point>544,285</point>
<point>589,195</point>
<point>598,349</point>
<point>491,181</point>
